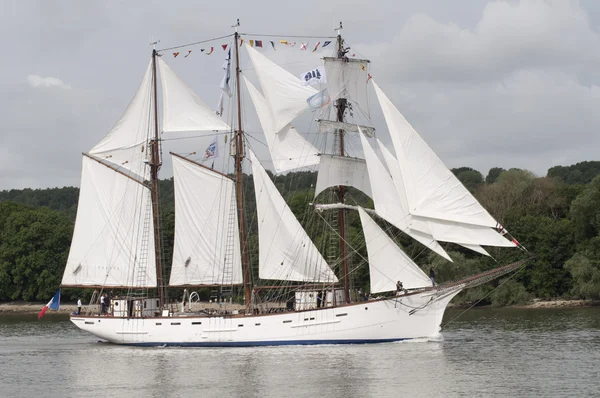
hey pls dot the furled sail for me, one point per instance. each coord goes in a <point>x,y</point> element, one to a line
<point>285,252</point>
<point>388,202</point>
<point>348,78</point>
<point>207,244</point>
<point>113,239</point>
<point>388,264</point>
<point>289,150</point>
<point>183,110</point>
<point>329,126</point>
<point>283,91</point>
<point>126,144</point>
<point>338,170</point>
<point>435,192</point>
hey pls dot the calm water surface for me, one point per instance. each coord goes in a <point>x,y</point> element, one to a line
<point>515,353</point>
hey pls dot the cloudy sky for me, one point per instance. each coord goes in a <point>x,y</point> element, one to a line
<point>498,83</point>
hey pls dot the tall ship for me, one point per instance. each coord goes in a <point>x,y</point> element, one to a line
<point>292,280</point>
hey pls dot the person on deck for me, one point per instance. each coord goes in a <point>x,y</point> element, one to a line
<point>78,306</point>
<point>102,305</point>
<point>432,276</point>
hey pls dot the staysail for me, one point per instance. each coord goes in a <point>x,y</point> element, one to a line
<point>434,191</point>
<point>388,202</point>
<point>289,150</point>
<point>285,252</point>
<point>388,264</point>
<point>207,246</point>
<point>283,91</point>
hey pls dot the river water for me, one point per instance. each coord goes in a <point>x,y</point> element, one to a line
<point>506,352</point>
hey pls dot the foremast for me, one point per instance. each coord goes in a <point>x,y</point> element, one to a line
<point>238,157</point>
<point>155,164</point>
<point>341,105</point>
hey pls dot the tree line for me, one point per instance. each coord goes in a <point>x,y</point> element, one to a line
<point>556,217</point>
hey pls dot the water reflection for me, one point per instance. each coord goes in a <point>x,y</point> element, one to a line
<point>485,353</point>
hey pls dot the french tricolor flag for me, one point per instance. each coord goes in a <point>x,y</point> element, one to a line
<point>54,303</point>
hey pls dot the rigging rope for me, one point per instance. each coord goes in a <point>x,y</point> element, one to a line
<point>486,295</point>
<point>194,43</point>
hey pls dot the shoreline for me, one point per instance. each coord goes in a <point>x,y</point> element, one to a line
<point>23,308</point>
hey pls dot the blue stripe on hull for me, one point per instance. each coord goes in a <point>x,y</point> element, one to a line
<point>261,343</point>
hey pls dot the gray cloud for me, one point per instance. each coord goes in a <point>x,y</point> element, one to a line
<point>511,84</point>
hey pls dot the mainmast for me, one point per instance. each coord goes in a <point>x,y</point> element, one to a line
<point>239,156</point>
<point>341,104</point>
<point>155,164</point>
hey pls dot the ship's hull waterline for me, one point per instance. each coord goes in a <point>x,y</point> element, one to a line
<point>407,317</point>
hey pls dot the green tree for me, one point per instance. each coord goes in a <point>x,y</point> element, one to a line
<point>493,175</point>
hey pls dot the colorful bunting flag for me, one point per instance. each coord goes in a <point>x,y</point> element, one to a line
<point>273,44</point>
<point>292,44</point>
<point>303,46</point>
<point>317,46</point>
<point>328,42</point>
<point>188,54</point>
<point>258,43</point>
<point>362,67</point>
<point>369,77</point>
<point>283,42</point>
<point>175,54</point>
<point>201,50</point>
<point>211,51</point>
<point>251,43</point>
<point>241,41</point>
<point>224,46</point>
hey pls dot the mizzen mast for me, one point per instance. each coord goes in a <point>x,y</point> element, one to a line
<point>155,164</point>
<point>341,105</point>
<point>238,157</point>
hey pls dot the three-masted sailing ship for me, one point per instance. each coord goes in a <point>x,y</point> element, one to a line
<point>117,238</point>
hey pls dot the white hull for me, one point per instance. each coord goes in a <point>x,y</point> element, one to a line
<point>398,318</point>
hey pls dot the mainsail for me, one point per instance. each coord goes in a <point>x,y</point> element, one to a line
<point>207,246</point>
<point>388,264</point>
<point>126,144</point>
<point>284,249</point>
<point>183,110</point>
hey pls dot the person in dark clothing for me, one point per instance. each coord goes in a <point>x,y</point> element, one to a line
<point>432,276</point>
<point>399,287</point>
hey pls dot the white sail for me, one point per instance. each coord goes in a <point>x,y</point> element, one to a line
<point>435,192</point>
<point>337,170</point>
<point>113,240</point>
<point>126,144</point>
<point>285,252</point>
<point>468,235</point>
<point>206,250</point>
<point>283,91</point>
<point>388,264</point>
<point>289,150</point>
<point>183,110</point>
<point>476,248</point>
<point>348,78</point>
<point>388,202</point>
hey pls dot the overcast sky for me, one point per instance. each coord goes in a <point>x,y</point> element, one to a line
<point>507,83</point>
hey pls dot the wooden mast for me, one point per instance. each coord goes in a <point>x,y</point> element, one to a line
<point>239,156</point>
<point>155,164</point>
<point>341,190</point>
